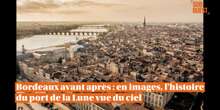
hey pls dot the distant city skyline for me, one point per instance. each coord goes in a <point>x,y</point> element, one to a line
<point>107,10</point>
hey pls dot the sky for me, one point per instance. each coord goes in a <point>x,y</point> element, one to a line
<point>107,10</point>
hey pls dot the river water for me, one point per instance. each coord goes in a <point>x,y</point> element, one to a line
<point>40,41</point>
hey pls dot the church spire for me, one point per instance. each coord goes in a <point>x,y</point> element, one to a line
<point>144,21</point>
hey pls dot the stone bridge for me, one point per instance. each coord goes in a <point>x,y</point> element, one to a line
<point>75,33</point>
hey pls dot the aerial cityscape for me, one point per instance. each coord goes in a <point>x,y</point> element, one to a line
<point>140,51</point>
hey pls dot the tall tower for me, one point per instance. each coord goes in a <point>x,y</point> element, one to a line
<point>144,22</point>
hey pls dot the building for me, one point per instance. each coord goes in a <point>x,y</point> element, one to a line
<point>156,100</point>
<point>87,106</point>
<point>112,67</point>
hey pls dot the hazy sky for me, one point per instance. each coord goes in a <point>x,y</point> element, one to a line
<point>107,10</point>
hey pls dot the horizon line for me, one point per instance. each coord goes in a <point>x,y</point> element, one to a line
<point>117,21</point>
